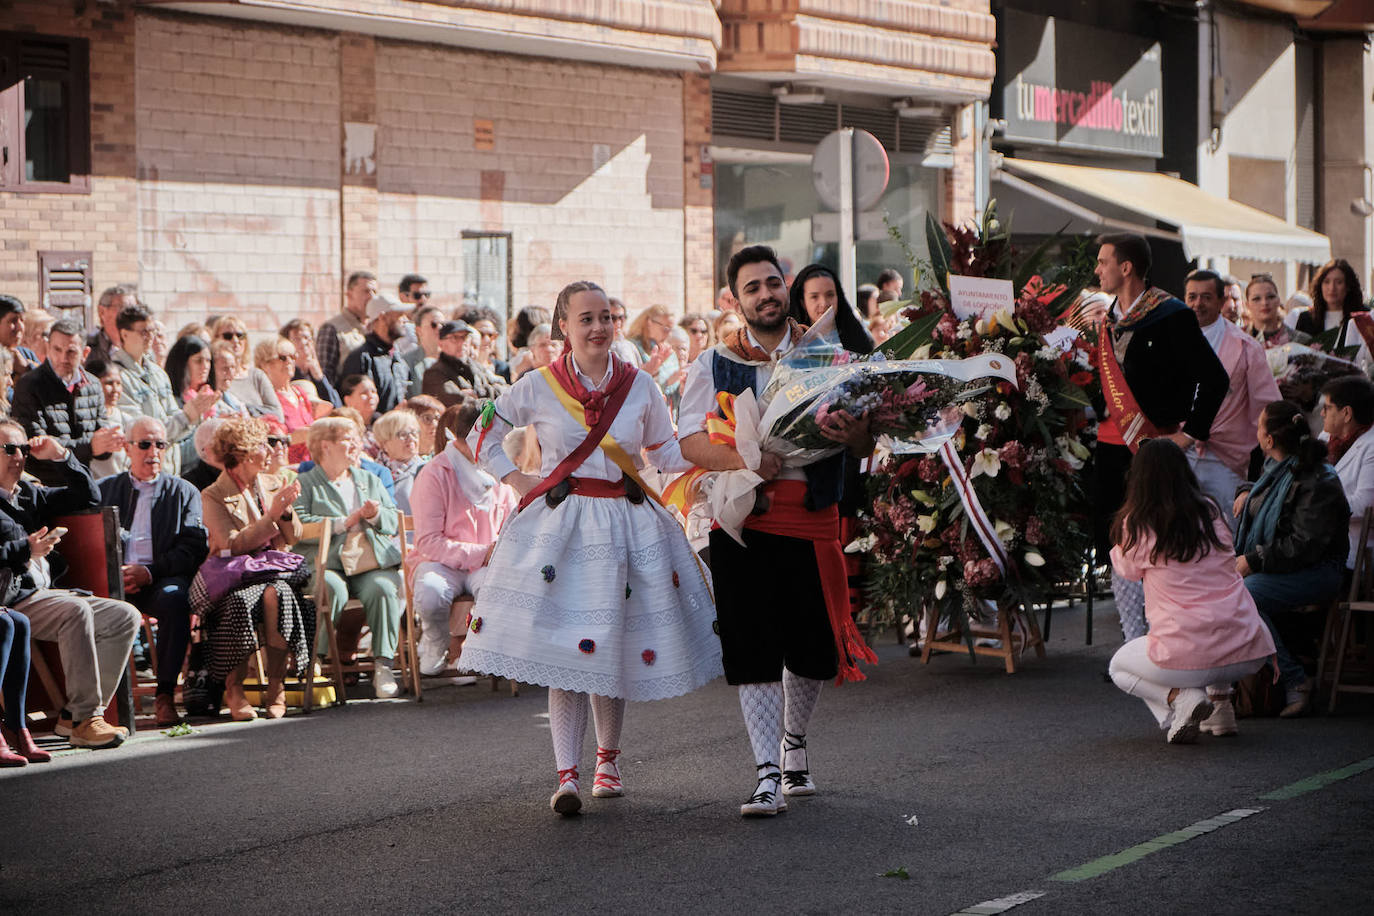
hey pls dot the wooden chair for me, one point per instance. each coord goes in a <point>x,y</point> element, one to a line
<point>414,628</point>
<point>405,656</point>
<point>1340,622</point>
<point>94,553</point>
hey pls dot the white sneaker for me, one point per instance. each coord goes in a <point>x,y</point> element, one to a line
<point>465,680</point>
<point>433,656</point>
<point>384,681</point>
<point>766,800</point>
<point>1191,707</point>
<point>1222,721</point>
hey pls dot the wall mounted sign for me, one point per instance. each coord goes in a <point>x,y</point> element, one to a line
<point>1074,86</point>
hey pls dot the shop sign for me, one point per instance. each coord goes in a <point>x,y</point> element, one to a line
<point>1075,86</point>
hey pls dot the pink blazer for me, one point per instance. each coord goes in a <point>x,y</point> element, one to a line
<point>449,529</point>
<point>1200,613</point>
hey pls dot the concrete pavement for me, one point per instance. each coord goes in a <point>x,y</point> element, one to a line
<point>979,785</point>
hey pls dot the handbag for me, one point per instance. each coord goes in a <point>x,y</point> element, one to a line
<point>221,575</point>
<point>356,554</point>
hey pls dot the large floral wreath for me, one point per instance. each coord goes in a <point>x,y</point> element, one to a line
<point>1023,447</point>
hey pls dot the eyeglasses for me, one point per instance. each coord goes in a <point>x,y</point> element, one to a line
<point>285,357</point>
<point>489,335</point>
<point>278,441</point>
<point>145,333</point>
<point>409,434</point>
<point>145,444</point>
<point>429,419</point>
<point>417,296</point>
<point>233,335</point>
<point>23,448</point>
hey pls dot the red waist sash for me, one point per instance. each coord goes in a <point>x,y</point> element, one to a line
<point>787,516</point>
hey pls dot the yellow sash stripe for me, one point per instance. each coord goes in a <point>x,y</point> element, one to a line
<point>612,448</point>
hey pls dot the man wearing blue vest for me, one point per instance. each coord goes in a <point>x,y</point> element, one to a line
<point>781,597</point>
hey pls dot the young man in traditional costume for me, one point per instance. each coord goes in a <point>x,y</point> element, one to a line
<point>593,588</point>
<point>781,596</point>
<point>1160,377</point>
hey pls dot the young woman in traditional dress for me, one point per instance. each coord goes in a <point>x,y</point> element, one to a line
<point>593,589</point>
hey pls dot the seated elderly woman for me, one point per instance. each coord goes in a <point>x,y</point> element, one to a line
<point>276,357</point>
<point>398,436</point>
<point>1292,538</point>
<point>459,510</point>
<point>241,390</point>
<point>247,511</point>
<point>364,558</point>
<point>427,411</point>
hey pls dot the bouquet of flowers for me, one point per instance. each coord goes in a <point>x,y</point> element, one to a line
<point>911,405</point>
<point>1021,445</point>
<point>1301,371</point>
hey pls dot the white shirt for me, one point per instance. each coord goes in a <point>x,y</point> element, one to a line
<point>1215,334</point>
<point>140,550</point>
<point>352,499</point>
<point>699,391</point>
<point>643,423</point>
<point>1356,471</point>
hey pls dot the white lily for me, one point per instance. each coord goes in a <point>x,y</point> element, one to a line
<point>941,588</point>
<point>1033,558</point>
<point>986,462</point>
<point>862,544</point>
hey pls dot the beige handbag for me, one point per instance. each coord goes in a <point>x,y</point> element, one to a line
<point>356,554</point>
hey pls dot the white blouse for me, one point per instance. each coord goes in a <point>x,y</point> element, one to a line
<point>643,423</point>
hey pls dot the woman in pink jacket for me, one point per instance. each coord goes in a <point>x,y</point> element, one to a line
<point>459,510</point>
<point>1204,629</point>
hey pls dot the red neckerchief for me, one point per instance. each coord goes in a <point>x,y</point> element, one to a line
<point>1337,446</point>
<point>737,341</point>
<point>592,401</point>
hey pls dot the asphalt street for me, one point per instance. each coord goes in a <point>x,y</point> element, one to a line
<point>975,785</point>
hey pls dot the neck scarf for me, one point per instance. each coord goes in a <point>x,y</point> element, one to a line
<point>738,342</point>
<point>1149,300</point>
<point>477,486</point>
<point>1258,527</point>
<point>592,401</point>
<point>1337,446</point>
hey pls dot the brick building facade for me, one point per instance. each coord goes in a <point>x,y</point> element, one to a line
<point>245,157</point>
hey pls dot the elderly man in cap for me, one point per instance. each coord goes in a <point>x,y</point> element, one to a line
<point>377,358</point>
<point>455,374</point>
<point>93,635</point>
<point>164,544</point>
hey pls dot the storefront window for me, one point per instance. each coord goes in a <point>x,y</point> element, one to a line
<point>762,203</point>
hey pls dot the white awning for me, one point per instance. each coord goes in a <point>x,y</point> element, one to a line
<point>1208,226</point>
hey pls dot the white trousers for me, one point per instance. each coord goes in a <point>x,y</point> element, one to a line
<point>1218,481</point>
<point>436,586</point>
<point>1134,672</point>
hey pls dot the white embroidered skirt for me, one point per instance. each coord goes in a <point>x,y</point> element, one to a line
<point>598,596</point>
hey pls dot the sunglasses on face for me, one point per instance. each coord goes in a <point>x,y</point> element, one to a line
<point>22,448</point>
<point>278,441</point>
<point>419,295</point>
<point>233,335</point>
<point>489,335</point>
<point>145,444</point>
<point>285,357</point>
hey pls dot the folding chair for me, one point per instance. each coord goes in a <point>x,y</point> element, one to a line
<point>361,664</point>
<point>1336,639</point>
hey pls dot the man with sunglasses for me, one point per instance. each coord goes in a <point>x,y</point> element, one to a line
<point>621,345</point>
<point>164,544</point>
<point>93,635</point>
<point>145,390</point>
<point>428,320</point>
<point>61,399</point>
<point>415,290</point>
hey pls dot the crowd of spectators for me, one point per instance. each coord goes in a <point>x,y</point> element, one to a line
<point>212,447</point>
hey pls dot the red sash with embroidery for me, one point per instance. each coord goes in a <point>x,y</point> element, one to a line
<point>1123,410</point>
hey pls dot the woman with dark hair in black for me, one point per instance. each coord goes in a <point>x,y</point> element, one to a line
<point>815,291</point>
<point>1336,296</point>
<point>1292,538</point>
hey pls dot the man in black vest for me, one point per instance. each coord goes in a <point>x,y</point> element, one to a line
<point>777,628</point>
<point>1173,375</point>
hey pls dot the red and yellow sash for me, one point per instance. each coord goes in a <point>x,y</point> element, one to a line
<point>613,449</point>
<point>720,429</point>
<point>1124,416</point>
